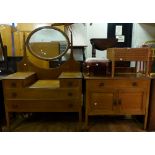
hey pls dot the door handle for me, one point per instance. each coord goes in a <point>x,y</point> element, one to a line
<point>134,84</point>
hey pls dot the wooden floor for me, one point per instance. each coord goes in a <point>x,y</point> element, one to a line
<point>68,122</point>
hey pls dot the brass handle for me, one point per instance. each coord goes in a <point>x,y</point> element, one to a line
<point>134,84</point>
<point>13,84</point>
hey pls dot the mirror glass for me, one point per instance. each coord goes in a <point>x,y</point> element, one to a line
<point>47,43</point>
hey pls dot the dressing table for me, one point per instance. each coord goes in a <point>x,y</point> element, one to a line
<point>37,89</point>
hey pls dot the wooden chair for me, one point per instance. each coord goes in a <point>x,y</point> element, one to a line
<point>99,66</point>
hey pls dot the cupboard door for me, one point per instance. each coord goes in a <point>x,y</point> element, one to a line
<point>132,101</point>
<point>102,102</point>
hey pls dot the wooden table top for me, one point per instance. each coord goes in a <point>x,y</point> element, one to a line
<point>19,75</point>
<point>68,75</point>
<point>46,84</point>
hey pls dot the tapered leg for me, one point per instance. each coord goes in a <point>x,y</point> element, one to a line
<point>86,121</point>
<point>80,120</point>
<point>145,121</point>
<point>8,120</point>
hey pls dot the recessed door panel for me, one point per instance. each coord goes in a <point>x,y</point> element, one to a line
<point>131,102</point>
<point>102,102</point>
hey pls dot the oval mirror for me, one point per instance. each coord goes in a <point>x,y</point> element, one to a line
<point>47,43</point>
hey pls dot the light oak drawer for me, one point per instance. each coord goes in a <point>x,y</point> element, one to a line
<point>13,83</point>
<point>70,82</point>
<point>35,93</point>
<point>18,83</point>
<point>43,105</point>
<point>64,83</point>
<point>99,84</point>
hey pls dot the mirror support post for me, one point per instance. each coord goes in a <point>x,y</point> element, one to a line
<point>71,46</point>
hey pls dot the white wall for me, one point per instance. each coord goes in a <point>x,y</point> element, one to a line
<point>142,33</point>
<point>95,30</point>
<point>79,32</point>
<point>83,32</point>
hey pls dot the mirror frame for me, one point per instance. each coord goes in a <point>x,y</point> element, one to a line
<point>47,27</point>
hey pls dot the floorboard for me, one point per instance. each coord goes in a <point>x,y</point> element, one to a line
<point>68,122</point>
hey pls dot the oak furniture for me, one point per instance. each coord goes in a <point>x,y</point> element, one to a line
<point>120,93</point>
<point>35,89</point>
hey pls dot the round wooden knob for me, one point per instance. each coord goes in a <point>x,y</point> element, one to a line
<point>14,106</point>
<point>70,94</point>
<point>70,105</point>
<point>13,84</point>
<point>101,84</point>
<point>70,84</point>
<point>134,84</point>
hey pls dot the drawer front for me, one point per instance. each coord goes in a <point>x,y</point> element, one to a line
<point>43,106</point>
<point>71,83</point>
<point>34,93</point>
<point>12,83</point>
<point>18,83</point>
<point>100,84</point>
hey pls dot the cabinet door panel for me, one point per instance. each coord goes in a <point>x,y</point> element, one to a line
<point>132,102</point>
<point>102,102</point>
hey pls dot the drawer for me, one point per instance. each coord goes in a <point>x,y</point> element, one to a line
<point>43,105</point>
<point>18,83</point>
<point>13,83</point>
<point>35,93</point>
<point>116,83</point>
<point>71,83</point>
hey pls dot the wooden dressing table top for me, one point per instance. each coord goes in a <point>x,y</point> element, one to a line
<point>121,76</point>
<point>46,84</point>
<point>19,75</point>
<point>65,75</point>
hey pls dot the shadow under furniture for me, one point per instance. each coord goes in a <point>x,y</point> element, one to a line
<point>124,91</point>
<point>36,89</point>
